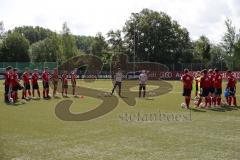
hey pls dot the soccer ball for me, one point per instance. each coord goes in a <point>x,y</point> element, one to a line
<point>23,101</point>
<point>183,105</point>
<point>27,98</point>
<point>11,100</point>
<point>202,105</point>
<point>106,94</point>
<point>195,102</point>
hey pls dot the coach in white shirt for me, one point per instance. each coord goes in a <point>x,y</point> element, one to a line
<point>118,81</point>
<point>142,83</point>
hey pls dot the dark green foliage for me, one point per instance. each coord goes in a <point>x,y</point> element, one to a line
<point>156,37</point>
<point>34,34</point>
<point>15,48</point>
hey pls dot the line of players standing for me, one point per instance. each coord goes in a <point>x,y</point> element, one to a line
<point>210,88</point>
<point>13,83</point>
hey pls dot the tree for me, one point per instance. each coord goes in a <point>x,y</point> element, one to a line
<point>230,44</point>
<point>202,49</point>
<point>155,37</point>
<point>84,43</point>
<point>15,48</point>
<point>115,40</point>
<point>99,46</point>
<point>230,38</point>
<point>68,42</point>
<point>237,55</point>
<point>217,60</point>
<point>34,34</point>
<point>1,29</point>
<point>49,49</point>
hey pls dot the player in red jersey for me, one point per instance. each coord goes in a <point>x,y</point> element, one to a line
<point>55,81</point>
<point>35,77</point>
<point>73,81</point>
<point>187,80</point>
<point>64,84</point>
<point>7,84</point>
<point>205,84</point>
<point>15,84</point>
<point>212,99</point>
<point>45,80</point>
<point>231,86</point>
<point>217,87</point>
<point>26,84</point>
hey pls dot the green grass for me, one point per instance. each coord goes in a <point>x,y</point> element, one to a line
<point>32,131</point>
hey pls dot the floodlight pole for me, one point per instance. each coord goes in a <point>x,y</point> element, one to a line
<point>134,52</point>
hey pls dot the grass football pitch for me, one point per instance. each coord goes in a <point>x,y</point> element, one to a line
<point>33,131</point>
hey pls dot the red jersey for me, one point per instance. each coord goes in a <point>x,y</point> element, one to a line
<point>218,81</point>
<point>8,77</point>
<point>73,77</point>
<point>231,81</point>
<point>35,78</point>
<point>211,77</point>
<point>187,81</point>
<point>205,82</point>
<point>45,76</point>
<point>25,78</point>
<point>64,79</point>
<point>14,79</point>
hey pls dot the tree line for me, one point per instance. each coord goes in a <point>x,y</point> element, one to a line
<point>146,36</point>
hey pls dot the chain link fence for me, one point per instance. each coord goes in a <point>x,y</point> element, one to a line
<point>172,67</point>
<point>22,65</point>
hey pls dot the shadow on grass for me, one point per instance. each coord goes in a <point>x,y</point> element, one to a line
<point>57,97</point>
<point>16,104</point>
<point>36,99</point>
<point>224,109</point>
<point>149,99</point>
<point>238,107</point>
<point>197,110</point>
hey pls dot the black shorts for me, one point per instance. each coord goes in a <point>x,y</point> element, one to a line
<point>142,86</point>
<point>232,91</point>
<point>204,92</point>
<point>196,87</point>
<point>65,86</point>
<point>15,88</point>
<point>218,91</point>
<point>45,85</point>
<point>6,89</point>
<point>27,86</point>
<point>187,92</point>
<point>35,86</point>
<point>211,90</point>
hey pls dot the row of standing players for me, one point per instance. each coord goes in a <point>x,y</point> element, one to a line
<point>13,83</point>
<point>210,84</point>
